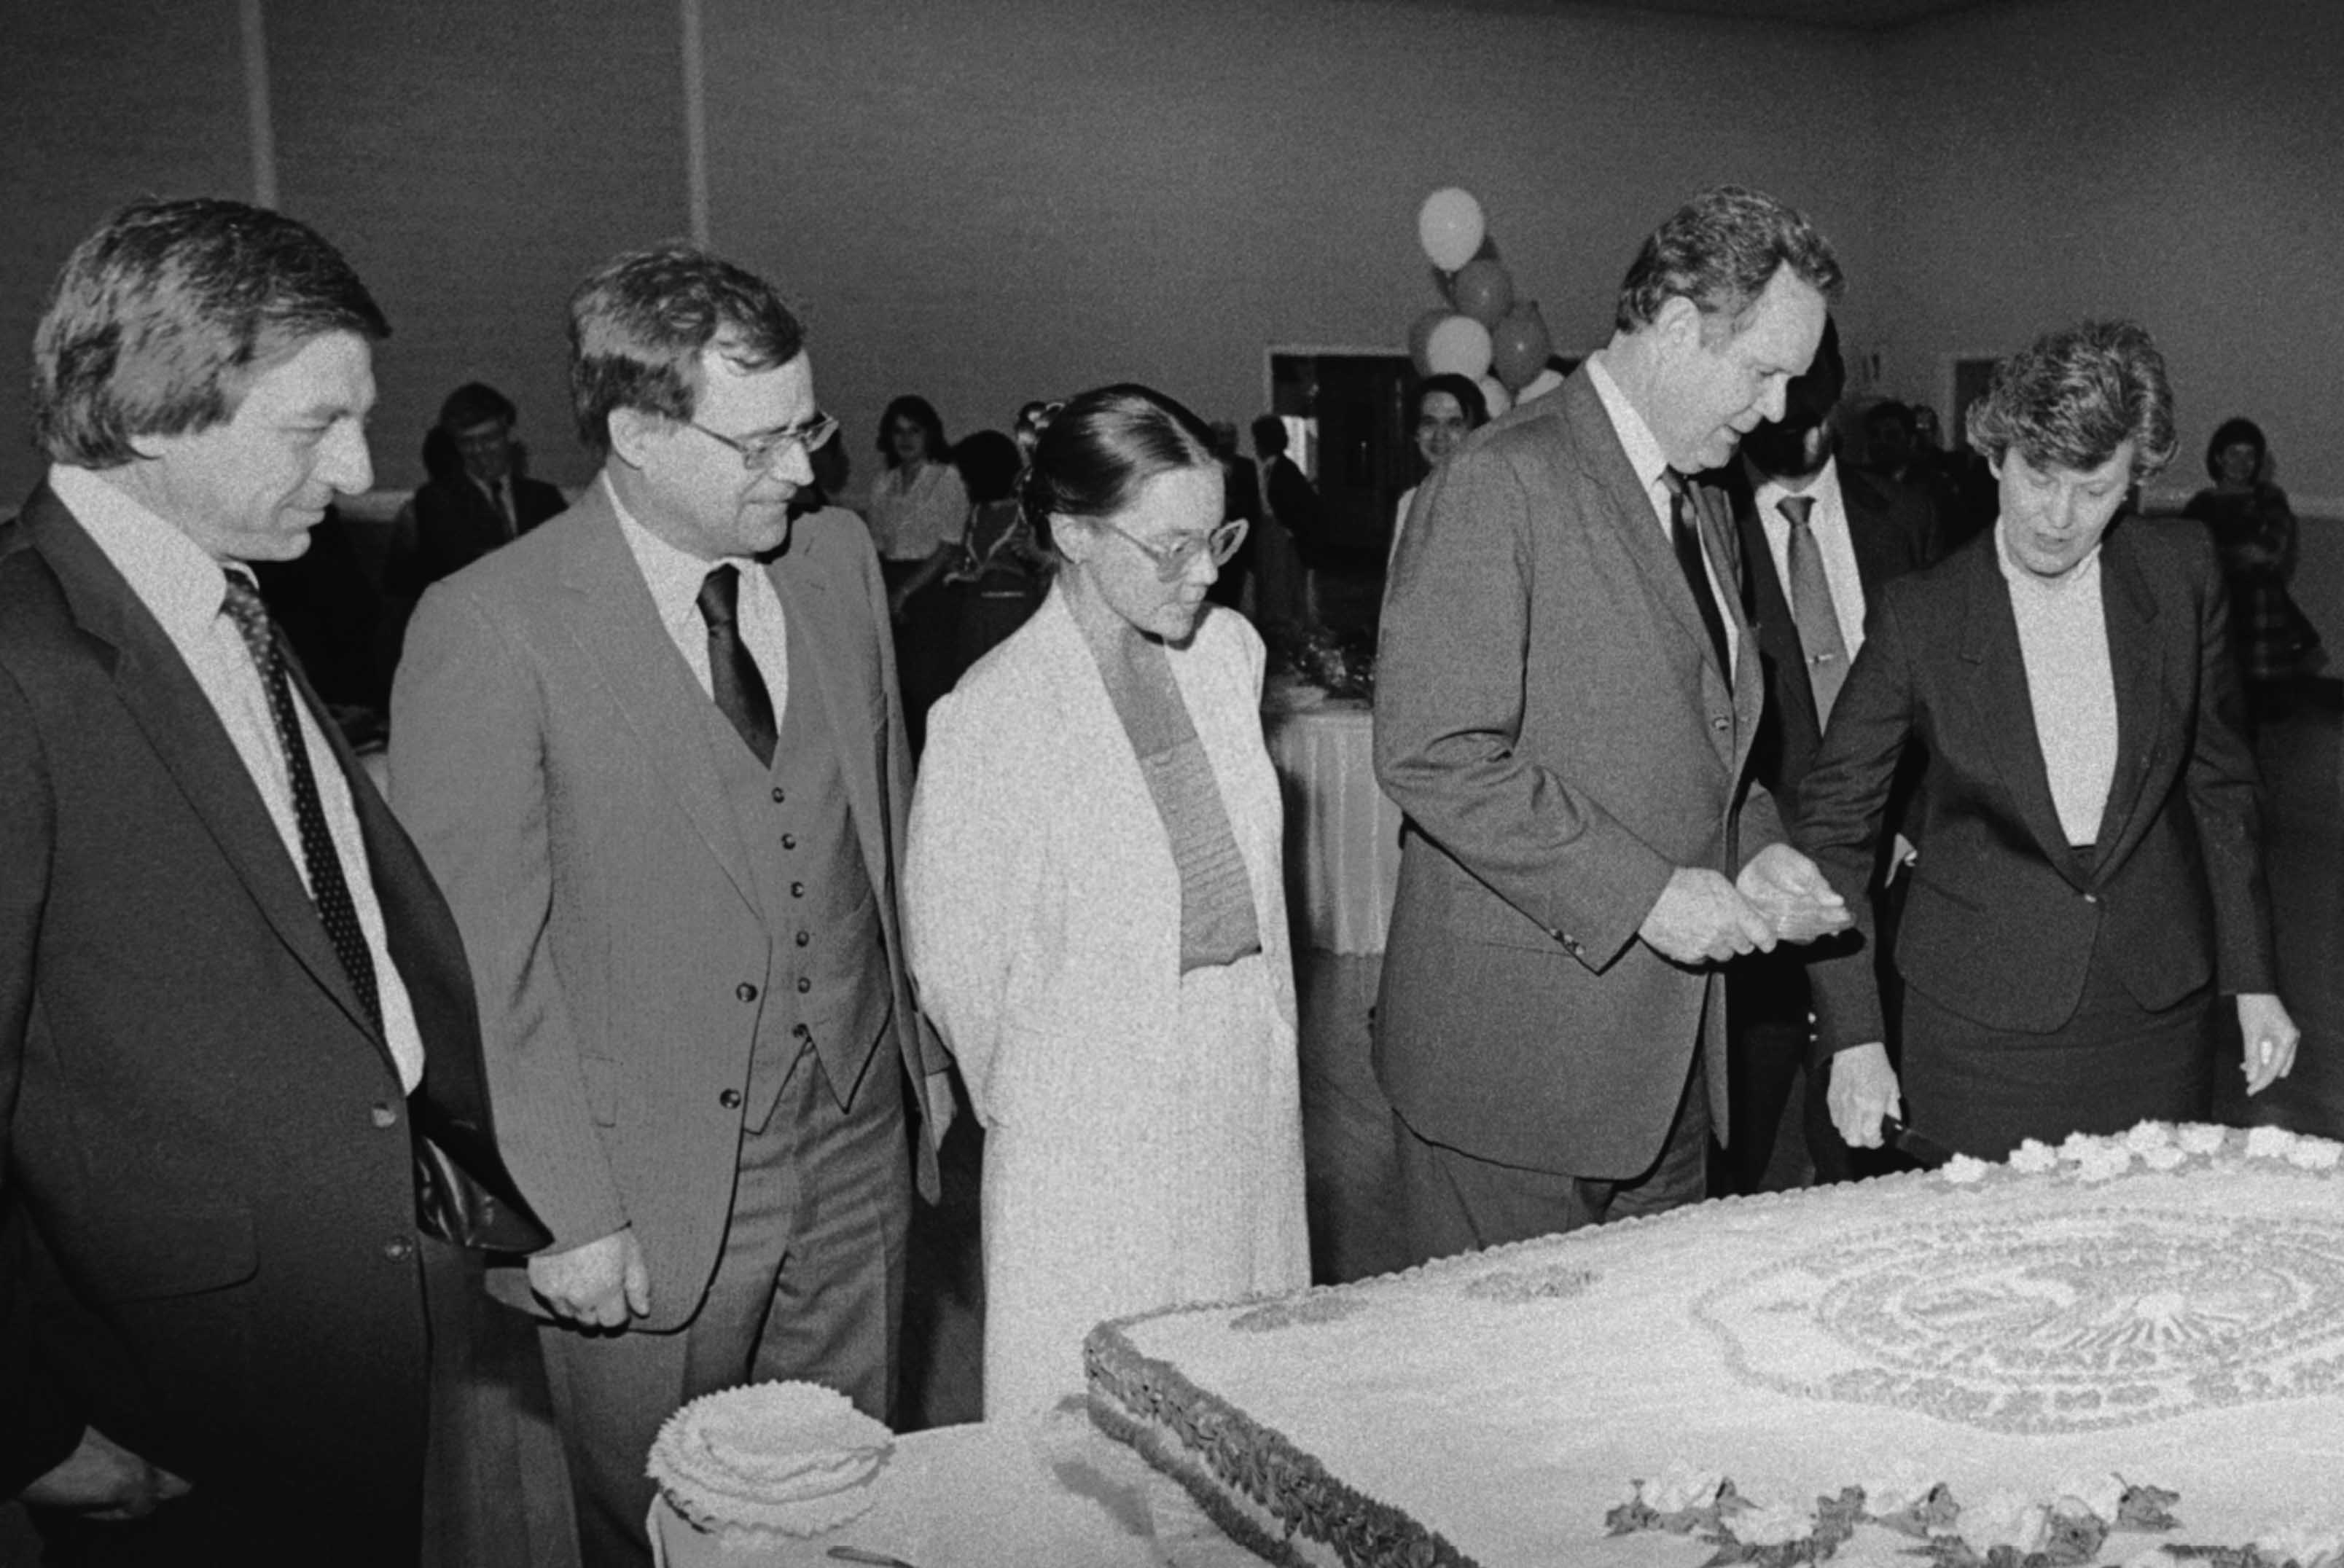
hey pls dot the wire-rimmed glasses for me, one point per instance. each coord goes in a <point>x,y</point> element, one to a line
<point>760,453</point>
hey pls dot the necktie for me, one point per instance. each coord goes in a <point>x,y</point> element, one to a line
<point>1687,540</point>
<point>1811,609</point>
<point>328,889</point>
<point>741,694</point>
<point>505,508</point>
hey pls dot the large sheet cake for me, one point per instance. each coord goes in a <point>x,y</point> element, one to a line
<point>2122,1350</point>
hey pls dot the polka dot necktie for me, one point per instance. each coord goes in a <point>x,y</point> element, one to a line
<point>328,889</point>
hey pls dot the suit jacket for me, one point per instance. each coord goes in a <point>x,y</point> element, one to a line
<point>1294,505</point>
<point>1889,528</point>
<point>1551,717</point>
<point>206,1137</point>
<point>456,523</point>
<point>548,754</point>
<point>2000,923</point>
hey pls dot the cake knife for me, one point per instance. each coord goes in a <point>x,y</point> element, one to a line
<point>1918,1146</point>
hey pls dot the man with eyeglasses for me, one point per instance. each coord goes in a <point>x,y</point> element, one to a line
<point>655,752</point>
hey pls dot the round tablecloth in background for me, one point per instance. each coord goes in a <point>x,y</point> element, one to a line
<point>998,1494</point>
<point>1342,834</point>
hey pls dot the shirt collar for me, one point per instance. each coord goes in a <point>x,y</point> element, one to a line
<point>673,574</point>
<point>1643,451</point>
<point>1823,491</point>
<point>2083,574</point>
<point>174,576</point>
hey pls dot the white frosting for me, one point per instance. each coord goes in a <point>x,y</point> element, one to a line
<point>787,1458</point>
<point>2165,1308</point>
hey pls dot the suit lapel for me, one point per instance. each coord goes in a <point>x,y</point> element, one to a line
<point>2003,707</point>
<point>163,697</point>
<point>1638,523</point>
<point>2137,656</point>
<point>824,631</point>
<point>617,626</point>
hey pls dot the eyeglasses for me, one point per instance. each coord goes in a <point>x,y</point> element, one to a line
<point>1172,563</point>
<point>760,453</point>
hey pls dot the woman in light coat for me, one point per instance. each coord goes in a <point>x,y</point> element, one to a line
<point>1095,917</point>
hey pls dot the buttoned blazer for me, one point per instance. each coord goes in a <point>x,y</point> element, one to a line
<point>195,1114</point>
<point>549,754</point>
<point>1551,717</point>
<point>2001,921</point>
<point>1889,527</point>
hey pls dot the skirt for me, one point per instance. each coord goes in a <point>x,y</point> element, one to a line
<point>2114,1063</point>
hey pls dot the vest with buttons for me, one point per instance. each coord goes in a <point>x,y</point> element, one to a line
<point>826,981</point>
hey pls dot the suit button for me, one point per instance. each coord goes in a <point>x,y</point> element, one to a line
<point>384,1116</point>
<point>778,795</point>
<point>730,1100</point>
<point>789,840</point>
<point>2091,897</point>
<point>401,1249</point>
<point>745,991</point>
<point>797,890</point>
<point>805,985</point>
<point>1719,723</point>
<point>802,1032</point>
<point>805,937</point>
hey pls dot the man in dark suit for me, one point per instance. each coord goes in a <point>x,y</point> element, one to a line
<point>1817,541</point>
<point>1287,544</point>
<point>226,979</point>
<point>462,516</point>
<point>655,752</point>
<point>1565,708</point>
<point>2090,876</point>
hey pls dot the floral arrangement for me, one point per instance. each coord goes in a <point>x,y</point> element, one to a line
<point>1340,664</point>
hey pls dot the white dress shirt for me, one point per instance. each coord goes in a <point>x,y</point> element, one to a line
<point>1645,457</point>
<point>186,590</point>
<point>1828,525</point>
<point>2063,637</point>
<point>674,576</point>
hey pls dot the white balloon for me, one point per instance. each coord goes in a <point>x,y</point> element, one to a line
<point>1458,346</point>
<point>1451,227</point>
<point>1494,395</point>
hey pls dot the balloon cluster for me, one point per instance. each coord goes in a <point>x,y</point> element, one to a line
<point>1483,333</point>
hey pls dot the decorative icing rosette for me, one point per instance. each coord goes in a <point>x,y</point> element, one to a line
<point>771,1459</point>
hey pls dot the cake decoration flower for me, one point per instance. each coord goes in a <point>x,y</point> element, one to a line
<point>1965,1169</point>
<point>2034,1158</point>
<point>2268,1142</point>
<point>2315,1153</point>
<point>2198,1138</point>
<point>2147,1136</point>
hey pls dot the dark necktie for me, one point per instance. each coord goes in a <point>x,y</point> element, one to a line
<point>740,690</point>
<point>1810,607</point>
<point>328,890</point>
<point>1686,538</point>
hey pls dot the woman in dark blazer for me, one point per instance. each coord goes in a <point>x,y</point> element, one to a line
<point>2090,874</point>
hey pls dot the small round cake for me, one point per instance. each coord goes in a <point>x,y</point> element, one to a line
<point>768,1460</point>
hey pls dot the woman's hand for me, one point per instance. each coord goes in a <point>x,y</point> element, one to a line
<point>1863,1091</point>
<point>2270,1038</point>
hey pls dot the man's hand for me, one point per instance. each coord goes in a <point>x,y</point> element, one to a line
<point>1700,919</point>
<point>941,1109</point>
<point>1863,1091</point>
<point>103,1479</point>
<point>1792,894</point>
<point>598,1285</point>
<point>2270,1038</point>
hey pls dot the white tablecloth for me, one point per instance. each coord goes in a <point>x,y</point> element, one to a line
<point>1342,834</point>
<point>1029,1494</point>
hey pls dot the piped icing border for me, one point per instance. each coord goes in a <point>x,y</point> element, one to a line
<point>1194,1436</point>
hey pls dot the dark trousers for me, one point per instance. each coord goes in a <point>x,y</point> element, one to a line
<point>1452,1201</point>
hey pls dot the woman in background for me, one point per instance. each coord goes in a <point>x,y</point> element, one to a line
<point>2254,535</point>
<point>917,509</point>
<point>1095,916</point>
<point>1445,410</point>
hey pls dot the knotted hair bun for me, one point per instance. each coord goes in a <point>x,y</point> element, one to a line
<point>1092,452</point>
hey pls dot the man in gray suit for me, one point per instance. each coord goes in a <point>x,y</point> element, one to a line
<point>1564,709</point>
<point>655,752</point>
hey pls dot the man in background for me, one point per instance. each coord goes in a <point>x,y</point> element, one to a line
<point>656,751</point>
<point>1565,704</point>
<point>484,501</point>
<point>1817,541</point>
<point>1289,534</point>
<point>226,980</point>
